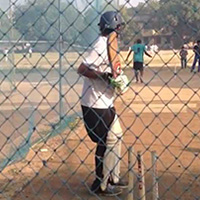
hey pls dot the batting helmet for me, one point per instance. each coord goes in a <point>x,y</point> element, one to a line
<point>110,21</point>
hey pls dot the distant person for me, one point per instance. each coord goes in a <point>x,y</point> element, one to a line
<point>30,51</point>
<point>154,48</point>
<point>6,54</point>
<point>196,50</point>
<point>138,49</point>
<point>27,45</point>
<point>183,54</point>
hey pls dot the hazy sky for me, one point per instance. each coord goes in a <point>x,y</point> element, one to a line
<point>131,2</point>
<point>4,3</point>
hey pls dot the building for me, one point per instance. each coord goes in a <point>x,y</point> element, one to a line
<point>154,36</point>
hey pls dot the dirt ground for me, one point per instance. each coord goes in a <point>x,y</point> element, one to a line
<point>160,115</point>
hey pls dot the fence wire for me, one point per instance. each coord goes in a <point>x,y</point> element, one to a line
<point>45,151</point>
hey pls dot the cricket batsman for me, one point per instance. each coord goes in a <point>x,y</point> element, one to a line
<point>99,115</point>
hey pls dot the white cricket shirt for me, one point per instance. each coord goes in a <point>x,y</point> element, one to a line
<point>96,93</point>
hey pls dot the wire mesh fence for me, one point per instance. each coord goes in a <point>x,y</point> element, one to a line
<point>47,121</point>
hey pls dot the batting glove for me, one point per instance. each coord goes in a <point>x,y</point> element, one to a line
<point>106,77</point>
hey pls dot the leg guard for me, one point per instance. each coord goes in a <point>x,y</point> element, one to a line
<point>112,157</point>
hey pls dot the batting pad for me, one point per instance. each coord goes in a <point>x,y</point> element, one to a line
<point>111,162</point>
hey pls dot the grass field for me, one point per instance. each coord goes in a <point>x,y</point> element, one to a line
<point>168,58</point>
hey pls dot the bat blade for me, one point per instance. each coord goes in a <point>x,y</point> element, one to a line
<point>113,54</point>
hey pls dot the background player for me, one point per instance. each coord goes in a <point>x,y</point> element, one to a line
<point>183,54</point>
<point>196,50</point>
<point>138,49</point>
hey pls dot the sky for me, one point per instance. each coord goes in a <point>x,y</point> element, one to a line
<point>131,2</point>
<point>4,3</point>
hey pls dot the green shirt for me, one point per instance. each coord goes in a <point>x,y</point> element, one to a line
<point>138,50</point>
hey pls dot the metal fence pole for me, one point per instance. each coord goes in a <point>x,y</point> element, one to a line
<point>11,50</point>
<point>60,65</point>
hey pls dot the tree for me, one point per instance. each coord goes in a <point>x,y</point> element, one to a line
<point>48,20</point>
<point>8,32</point>
<point>131,30</point>
<point>38,20</point>
<point>92,17</point>
<point>72,24</point>
<point>183,18</point>
<point>139,18</point>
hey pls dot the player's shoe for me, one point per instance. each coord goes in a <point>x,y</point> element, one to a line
<point>109,191</point>
<point>120,184</point>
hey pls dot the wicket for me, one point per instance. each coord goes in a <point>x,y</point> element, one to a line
<point>130,173</point>
<point>141,181</point>
<point>155,195</point>
<point>141,176</point>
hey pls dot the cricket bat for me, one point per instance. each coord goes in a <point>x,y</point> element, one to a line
<point>119,80</point>
<point>113,54</point>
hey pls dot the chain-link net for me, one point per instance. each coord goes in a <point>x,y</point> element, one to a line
<point>45,149</point>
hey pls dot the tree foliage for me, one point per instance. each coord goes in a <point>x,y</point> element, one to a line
<point>51,19</point>
<point>7,31</point>
<point>183,17</point>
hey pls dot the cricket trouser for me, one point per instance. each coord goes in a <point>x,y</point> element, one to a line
<point>98,124</point>
<point>112,156</point>
<point>196,58</point>
<point>183,63</point>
